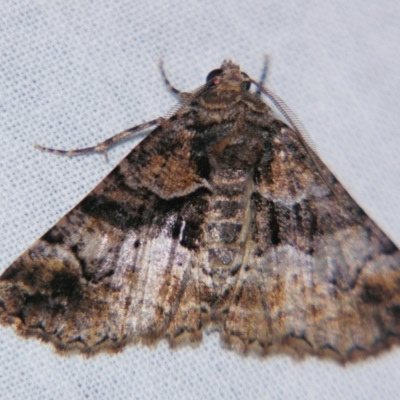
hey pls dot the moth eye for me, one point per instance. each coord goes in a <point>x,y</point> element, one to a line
<point>213,74</point>
<point>247,80</point>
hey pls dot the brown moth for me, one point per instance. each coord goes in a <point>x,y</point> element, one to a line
<point>222,218</point>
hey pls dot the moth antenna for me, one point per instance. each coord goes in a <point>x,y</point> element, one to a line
<point>185,97</point>
<point>288,114</point>
<point>298,127</point>
<point>263,76</point>
<point>176,92</point>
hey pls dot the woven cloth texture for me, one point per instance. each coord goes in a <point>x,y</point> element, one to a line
<point>73,73</point>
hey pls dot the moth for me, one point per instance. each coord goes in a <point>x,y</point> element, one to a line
<point>223,218</point>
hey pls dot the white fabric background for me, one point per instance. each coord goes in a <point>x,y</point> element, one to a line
<point>73,73</point>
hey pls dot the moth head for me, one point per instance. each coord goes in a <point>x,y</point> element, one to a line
<point>228,72</point>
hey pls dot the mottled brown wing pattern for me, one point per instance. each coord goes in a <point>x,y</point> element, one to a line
<point>322,277</point>
<point>117,266</point>
<point>219,219</point>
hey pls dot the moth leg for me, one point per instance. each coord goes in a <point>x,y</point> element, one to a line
<point>103,146</point>
<point>176,92</point>
<point>263,76</point>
